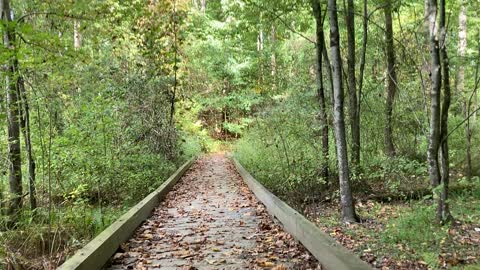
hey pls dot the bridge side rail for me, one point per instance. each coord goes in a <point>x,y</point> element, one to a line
<point>328,252</point>
<point>97,252</point>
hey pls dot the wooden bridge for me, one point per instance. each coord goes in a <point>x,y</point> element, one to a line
<point>212,214</point>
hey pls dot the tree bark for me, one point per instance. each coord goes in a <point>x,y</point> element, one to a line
<point>25,127</point>
<point>328,66</point>
<point>391,81</point>
<point>175,67</point>
<point>273,58</point>
<point>260,41</point>
<point>320,39</point>
<point>443,210</point>
<point>346,199</point>
<point>471,119</point>
<point>435,73</point>
<point>77,35</point>
<point>13,114</point>
<point>203,6</point>
<point>352,84</point>
<point>363,54</point>
<point>462,48</point>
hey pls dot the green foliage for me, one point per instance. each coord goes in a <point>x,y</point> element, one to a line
<point>71,226</point>
<point>415,229</point>
<point>102,129</point>
<point>397,174</point>
<point>282,150</point>
<point>100,116</point>
<point>195,138</point>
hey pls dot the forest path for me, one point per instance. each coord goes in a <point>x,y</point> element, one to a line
<point>211,220</point>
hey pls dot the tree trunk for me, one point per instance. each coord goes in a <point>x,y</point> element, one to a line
<point>77,35</point>
<point>363,54</point>
<point>346,199</point>
<point>352,84</point>
<point>471,116</point>
<point>273,59</point>
<point>25,127</point>
<point>434,136</point>
<point>13,115</point>
<point>320,39</point>
<point>462,48</point>
<point>426,19</point>
<point>443,211</point>
<point>328,65</point>
<point>203,6</point>
<point>175,67</point>
<point>260,41</point>
<point>391,81</point>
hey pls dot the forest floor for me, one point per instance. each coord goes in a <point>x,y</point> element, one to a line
<point>211,220</point>
<point>403,234</point>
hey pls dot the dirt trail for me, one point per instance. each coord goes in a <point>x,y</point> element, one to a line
<point>211,220</point>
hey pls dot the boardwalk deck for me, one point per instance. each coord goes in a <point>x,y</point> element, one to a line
<point>211,220</point>
<point>215,217</point>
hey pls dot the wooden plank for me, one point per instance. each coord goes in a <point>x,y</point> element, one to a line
<point>328,252</point>
<point>98,251</point>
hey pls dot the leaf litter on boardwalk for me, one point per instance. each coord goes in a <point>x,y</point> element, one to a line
<point>211,220</point>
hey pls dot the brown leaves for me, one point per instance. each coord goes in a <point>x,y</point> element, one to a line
<point>264,263</point>
<point>212,218</point>
<point>458,245</point>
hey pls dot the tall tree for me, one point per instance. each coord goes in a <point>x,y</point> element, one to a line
<point>77,35</point>
<point>13,110</point>
<point>203,5</point>
<point>364,52</point>
<point>443,210</point>
<point>273,58</point>
<point>346,198</point>
<point>436,78</point>
<point>391,80</point>
<point>462,48</point>
<point>438,141</point>
<point>352,84</point>
<point>175,62</point>
<point>26,127</point>
<point>320,42</point>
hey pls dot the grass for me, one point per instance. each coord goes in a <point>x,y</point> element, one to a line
<point>405,233</point>
<point>45,240</point>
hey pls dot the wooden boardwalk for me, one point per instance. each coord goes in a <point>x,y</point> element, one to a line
<point>211,220</point>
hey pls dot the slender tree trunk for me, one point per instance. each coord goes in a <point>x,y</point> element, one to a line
<point>434,136</point>
<point>175,66</point>
<point>260,41</point>
<point>443,211</point>
<point>328,66</point>
<point>25,127</point>
<point>77,35</point>
<point>424,50</point>
<point>320,38</point>
<point>346,199</point>
<point>273,59</point>
<point>472,100</point>
<point>352,84</point>
<point>203,6</point>
<point>363,54</point>
<point>462,48</point>
<point>13,113</point>
<point>391,81</point>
